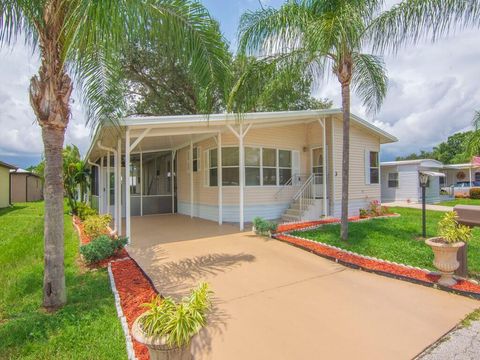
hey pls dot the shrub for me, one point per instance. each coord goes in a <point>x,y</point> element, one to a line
<point>263,227</point>
<point>475,193</point>
<point>84,211</point>
<point>177,322</point>
<point>98,249</point>
<point>119,243</point>
<point>96,225</point>
<point>451,231</point>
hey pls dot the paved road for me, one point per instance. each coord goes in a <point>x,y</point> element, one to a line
<point>275,301</point>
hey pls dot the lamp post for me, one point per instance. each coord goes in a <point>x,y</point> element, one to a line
<point>423,185</point>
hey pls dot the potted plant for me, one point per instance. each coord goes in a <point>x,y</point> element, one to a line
<point>452,236</point>
<point>167,327</point>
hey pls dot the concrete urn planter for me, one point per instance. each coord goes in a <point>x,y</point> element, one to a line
<point>445,259</point>
<point>157,346</point>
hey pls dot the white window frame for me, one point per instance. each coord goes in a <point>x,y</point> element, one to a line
<point>389,180</point>
<point>196,159</point>
<point>369,167</point>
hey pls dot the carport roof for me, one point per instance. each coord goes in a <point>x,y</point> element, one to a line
<point>176,129</point>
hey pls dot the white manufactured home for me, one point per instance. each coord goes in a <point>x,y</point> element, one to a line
<point>225,168</point>
<point>401,180</point>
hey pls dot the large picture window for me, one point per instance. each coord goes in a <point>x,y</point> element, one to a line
<point>263,166</point>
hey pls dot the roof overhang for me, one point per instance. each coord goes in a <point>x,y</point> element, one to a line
<point>179,129</point>
<point>8,166</point>
<point>433,173</point>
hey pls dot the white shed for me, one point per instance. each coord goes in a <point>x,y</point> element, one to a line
<point>400,180</point>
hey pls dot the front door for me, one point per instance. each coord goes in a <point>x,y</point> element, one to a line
<point>317,170</point>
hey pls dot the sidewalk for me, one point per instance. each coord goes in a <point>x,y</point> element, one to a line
<point>418,206</point>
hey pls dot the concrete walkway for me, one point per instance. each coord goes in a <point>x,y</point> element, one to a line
<point>418,206</point>
<point>275,301</point>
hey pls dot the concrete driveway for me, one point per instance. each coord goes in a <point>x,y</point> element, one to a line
<point>275,301</point>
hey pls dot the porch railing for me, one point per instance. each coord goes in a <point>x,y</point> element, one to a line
<point>307,193</point>
<point>295,183</point>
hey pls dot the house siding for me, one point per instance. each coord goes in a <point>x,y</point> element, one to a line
<point>4,187</point>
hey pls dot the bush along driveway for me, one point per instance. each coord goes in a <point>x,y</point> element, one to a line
<point>390,246</point>
<point>87,327</point>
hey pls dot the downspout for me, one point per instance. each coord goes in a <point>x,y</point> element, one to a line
<point>10,188</point>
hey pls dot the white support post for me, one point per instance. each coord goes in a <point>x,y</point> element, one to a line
<point>220,179</point>
<point>115,190</point>
<point>172,179</point>
<point>470,175</point>
<point>324,165</point>
<point>141,183</point>
<point>127,186</point>
<point>191,178</point>
<point>242,178</point>
<point>101,187</point>
<point>119,185</point>
<point>108,182</point>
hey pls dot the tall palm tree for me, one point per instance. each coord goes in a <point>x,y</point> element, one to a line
<point>80,41</point>
<point>333,34</point>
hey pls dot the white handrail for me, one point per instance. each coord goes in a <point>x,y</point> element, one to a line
<point>291,183</point>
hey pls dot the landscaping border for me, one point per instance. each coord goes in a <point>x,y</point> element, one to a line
<point>367,263</point>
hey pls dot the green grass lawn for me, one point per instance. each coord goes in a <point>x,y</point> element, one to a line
<point>86,328</point>
<point>460,202</point>
<point>394,239</point>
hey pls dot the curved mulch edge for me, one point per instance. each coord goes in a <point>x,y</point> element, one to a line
<point>370,264</point>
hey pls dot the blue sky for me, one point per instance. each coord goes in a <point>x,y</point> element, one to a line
<point>433,92</point>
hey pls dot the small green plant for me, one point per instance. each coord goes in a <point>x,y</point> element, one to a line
<point>98,249</point>
<point>177,322</point>
<point>119,243</point>
<point>96,225</point>
<point>84,211</point>
<point>263,227</point>
<point>451,231</point>
<point>475,193</point>
<point>363,213</point>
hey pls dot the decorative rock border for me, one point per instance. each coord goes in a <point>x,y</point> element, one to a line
<point>350,259</point>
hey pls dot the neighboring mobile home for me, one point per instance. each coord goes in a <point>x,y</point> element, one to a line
<point>26,186</point>
<point>401,181</point>
<point>5,184</point>
<point>229,169</point>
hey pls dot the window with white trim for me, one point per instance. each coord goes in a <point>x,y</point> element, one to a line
<point>374,167</point>
<point>212,167</point>
<point>252,166</point>
<point>284,166</point>
<point>269,166</point>
<point>230,166</point>
<point>196,159</point>
<point>393,180</point>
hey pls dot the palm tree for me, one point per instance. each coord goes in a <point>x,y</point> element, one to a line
<point>82,40</point>
<point>333,34</point>
<point>473,142</point>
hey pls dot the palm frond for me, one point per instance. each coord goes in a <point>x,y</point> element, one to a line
<point>369,80</point>
<point>272,31</point>
<point>412,21</point>
<point>20,17</point>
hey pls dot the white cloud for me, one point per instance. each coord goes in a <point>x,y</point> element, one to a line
<point>21,135</point>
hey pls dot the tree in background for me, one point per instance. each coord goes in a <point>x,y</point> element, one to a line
<point>83,40</point>
<point>159,83</point>
<point>473,142</point>
<point>333,34</point>
<point>453,151</point>
<point>76,176</point>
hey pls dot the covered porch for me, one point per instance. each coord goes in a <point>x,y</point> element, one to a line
<point>216,167</point>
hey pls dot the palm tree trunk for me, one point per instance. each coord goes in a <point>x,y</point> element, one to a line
<point>54,290</point>
<point>345,158</point>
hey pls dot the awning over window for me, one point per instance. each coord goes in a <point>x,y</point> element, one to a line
<point>433,173</point>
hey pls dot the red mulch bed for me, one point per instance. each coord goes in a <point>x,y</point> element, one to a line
<point>398,271</point>
<point>306,224</point>
<point>134,289</point>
